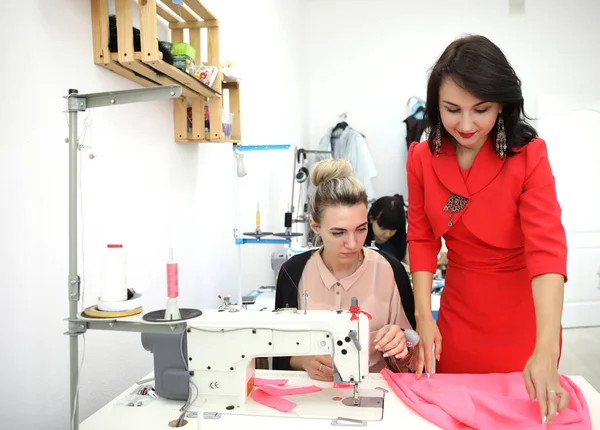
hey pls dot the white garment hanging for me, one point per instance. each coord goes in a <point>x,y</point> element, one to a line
<point>350,145</point>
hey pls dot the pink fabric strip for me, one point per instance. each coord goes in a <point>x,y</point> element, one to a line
<point>289,391</point>
<point>336,385</point>
<point>275,402</point>
<point>484,402</point>
<point>259,382</point>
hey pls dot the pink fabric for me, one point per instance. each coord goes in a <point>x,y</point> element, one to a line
<point>275,402</point>
<point>289,391</point>
<point>336,385</point>
<point>259,382</point>
<point>484,401</point>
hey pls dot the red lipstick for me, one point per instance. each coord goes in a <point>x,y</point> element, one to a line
<point>466,135</point>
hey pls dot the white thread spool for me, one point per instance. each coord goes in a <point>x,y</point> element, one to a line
<point>114,288</point>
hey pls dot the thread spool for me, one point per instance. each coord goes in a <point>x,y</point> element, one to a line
<point>114,288</point>
<point>288,220</point>
<point>172,277</point>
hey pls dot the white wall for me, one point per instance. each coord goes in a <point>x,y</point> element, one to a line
<point>368,57</point>
<point>142,189</point>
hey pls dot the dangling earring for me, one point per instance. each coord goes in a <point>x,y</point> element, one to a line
<point>437,141</point>
<point>501,139</point>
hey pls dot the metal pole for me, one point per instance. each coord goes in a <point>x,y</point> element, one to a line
<point>73,277</point>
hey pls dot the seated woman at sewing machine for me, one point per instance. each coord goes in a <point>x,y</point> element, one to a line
<point>387,226</point>
<point>341,269</point>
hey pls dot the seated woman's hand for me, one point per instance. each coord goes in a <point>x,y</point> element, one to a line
<point>319,367</point>
<point>390,340</point>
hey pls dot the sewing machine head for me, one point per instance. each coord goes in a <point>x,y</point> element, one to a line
<point>222,346</point>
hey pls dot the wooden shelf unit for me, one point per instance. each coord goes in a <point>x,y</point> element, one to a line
<point>147,67</point>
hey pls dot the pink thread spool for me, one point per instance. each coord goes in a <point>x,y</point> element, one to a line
<point>172,277</point>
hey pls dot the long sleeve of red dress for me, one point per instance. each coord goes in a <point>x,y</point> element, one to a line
<point>540,213</point>
<point>423,246</point>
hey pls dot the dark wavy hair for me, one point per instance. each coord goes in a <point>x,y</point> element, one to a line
<point>390,213</point>
<point>480,67</point>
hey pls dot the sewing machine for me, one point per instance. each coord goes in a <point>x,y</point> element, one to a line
<point>221,345</point>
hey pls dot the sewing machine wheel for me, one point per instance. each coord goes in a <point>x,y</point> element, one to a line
<point>364,402</point>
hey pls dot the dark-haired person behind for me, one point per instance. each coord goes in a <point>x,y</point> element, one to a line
<point>483,182</point>
<point>387,226</point>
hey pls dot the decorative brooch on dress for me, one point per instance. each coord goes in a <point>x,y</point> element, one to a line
<point>455,203</point>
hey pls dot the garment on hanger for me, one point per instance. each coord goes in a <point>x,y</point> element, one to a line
<point>415,124</point>
<point>351,145</point>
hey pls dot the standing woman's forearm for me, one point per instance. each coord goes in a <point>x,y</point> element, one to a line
<point>548,297</point>
<point>422,285</point>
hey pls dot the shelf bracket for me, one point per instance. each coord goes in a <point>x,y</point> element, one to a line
<point>243,241</point>
<point>259,147</point>
<point>76,327</point>
<point>81,102</point>
<point>74,284</point>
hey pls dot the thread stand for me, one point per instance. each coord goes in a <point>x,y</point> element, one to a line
<point>288,234</point>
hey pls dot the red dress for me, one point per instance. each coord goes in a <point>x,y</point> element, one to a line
<point>501,223</point>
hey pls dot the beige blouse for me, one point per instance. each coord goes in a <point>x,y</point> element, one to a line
<point>374,286</point>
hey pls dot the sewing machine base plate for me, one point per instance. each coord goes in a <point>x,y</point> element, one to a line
<point>328,404</point>
<point>364,402</point>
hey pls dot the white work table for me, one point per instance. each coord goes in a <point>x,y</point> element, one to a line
<point>158,413</point>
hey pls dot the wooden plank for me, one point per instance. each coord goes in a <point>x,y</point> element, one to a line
<point>195,39</point>
<point>100,32</point>
<point>216,120</point>
<point>149,30</point>
<point>215,105</point>
<point>126,73</point>
<point>198,118</point>
<point>124,30</point>
<point>189,139</point>
<point>137,66</point>
<point>234,108</point>
<point>180,11</point>
<point>166,15</point>
<point>177,35</point>
<point>183,78</point>
<point>200,10</point>
<point>180,118</point>
<point>197,24</point>
<point>180,114</point>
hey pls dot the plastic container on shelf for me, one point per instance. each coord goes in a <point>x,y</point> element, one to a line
<point>227,124</point>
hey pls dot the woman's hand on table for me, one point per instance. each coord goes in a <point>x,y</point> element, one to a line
<point>430,335</point>
<point>542,382</point>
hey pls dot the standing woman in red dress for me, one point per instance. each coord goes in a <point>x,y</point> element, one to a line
<point>483,182</point>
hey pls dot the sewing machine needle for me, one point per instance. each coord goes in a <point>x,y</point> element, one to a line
<point>355,395</point>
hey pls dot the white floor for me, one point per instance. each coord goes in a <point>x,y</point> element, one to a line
<point>581,354</point>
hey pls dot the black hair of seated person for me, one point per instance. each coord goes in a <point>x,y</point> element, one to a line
<point>481,68</point>
<point>389,212</point>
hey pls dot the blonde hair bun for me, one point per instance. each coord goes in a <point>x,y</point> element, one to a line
<point>330,169</point>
